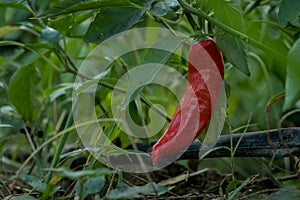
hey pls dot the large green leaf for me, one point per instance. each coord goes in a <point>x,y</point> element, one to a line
<point>289,12</point>
<point>233,48</point>
<point>111,21</point>
<point>292,79</point>
<point>24,92</point>
<point>71,6</point>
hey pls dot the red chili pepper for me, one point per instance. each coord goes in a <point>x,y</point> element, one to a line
<point>205,77</point>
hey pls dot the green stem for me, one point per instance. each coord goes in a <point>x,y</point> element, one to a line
<point>192,21</point>
<point>154,107</point>
<point>290,33</point>
<point>252,7</point>
<point>265,72</point>
<point>226,28</point>
<point>57,155</point>
<point>156,17</point>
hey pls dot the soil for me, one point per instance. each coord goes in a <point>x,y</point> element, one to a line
<point>186,182</point>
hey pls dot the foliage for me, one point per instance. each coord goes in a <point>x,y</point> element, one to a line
<point>44,43</point>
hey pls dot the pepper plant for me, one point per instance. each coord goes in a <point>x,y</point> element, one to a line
<point>44,43</point>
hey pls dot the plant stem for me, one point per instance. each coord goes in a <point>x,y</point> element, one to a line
<point>57,155</point>
<point>227,28</point>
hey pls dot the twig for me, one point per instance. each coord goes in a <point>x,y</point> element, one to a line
<point>182,177</point>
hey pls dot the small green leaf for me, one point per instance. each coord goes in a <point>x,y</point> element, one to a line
<point>289,12</point>
<point>35,182</point>
<point>237,190</point>
<point>111,21</point>
<point>51,36</point>
<point>90,186</point>
<point>23,197</point>
<point>5,126</point>
<point>59,90</point>
<point>235,51</point>
<point>292,88</point>
<point>161,8</point>
<point>231,186</point>
<point>233,48</point>
<point>71,25</point>
<point>24,92</point>
<point>124,191</point>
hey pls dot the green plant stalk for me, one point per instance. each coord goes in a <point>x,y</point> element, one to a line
<point>191,20</point>
<point>265,72</point>
<point>227,29</point>
<point>290,33</point>
<point>156,17</point>
<point>154,107</point>
<point>27,46</point>
<point>57,155</point>
<point>252,7</point>
<point>236,191</point>
<point>144,99</point>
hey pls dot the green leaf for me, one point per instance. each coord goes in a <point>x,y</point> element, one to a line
<point>111,21</point>
<point>7,29</point>
<point>236,191</point>
<point>35,182</point>
<point>124,191</point>
<point>23,197</point>
<point>159,53</point>
<point>1,64</point>
<point>5,43</point>
<point>24,92</point>
<point>5,126</point>
<point>51,36</point>
<point>231,186</point>
<point>84,173</point>
<point>15,4</point>
<point>292,88</point>
<point>90,186</point>
<point>233,48</point>
<point>286,194</point>
<point>235,51</point>
<point>70,25</point>
<point>59,90</point>
<point>161,8</point>
<point>289,12</point>
<point>71,6</point>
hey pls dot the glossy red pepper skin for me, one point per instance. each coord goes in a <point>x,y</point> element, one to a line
<point>205,77</point>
